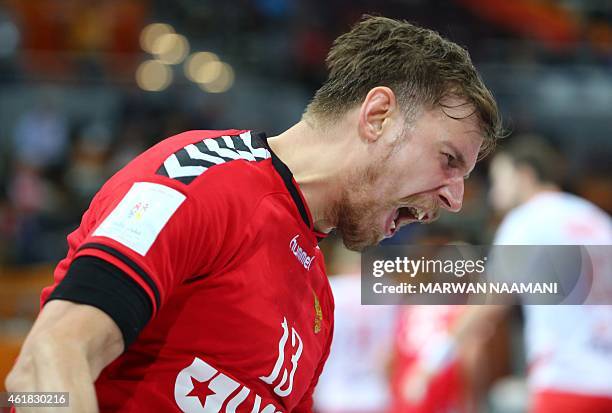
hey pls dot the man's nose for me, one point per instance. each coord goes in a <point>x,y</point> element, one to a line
<point>451,195</point>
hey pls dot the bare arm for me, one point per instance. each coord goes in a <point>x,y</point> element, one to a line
<point>65,351</point>
<point>478,319</point>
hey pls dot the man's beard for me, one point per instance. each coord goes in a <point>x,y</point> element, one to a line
<point>358,223</point>
<point>357,215</point>
<point>359,220</point>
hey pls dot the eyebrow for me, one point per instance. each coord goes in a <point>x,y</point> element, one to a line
<point>458,158</point>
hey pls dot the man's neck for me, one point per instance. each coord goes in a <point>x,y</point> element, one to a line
<point>314,156</point>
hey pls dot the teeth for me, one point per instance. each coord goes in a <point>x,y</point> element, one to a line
<point>392,224</point>
<point>420,214</point>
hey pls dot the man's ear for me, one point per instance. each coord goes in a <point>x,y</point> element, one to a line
<point>375,112</point>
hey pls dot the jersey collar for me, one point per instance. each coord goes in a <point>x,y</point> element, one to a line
<point>287,177</point>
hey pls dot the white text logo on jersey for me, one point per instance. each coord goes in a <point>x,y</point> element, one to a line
<point>300,253</point>
<point>202,388</point>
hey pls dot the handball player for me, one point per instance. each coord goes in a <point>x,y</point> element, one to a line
<point>569,347</point>
<point>194,282</point>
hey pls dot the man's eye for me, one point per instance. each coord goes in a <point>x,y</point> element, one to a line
<point>450,158</point>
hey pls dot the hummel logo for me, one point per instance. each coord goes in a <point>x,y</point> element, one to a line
<point>300,253</point>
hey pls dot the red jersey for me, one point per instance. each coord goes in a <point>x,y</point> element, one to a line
<point>211,226</point>
<point>416,329</point>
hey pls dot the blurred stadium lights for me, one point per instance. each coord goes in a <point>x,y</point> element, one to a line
<point>153,76</point>
<point>222,82</point>
<point>151,33</point>
<point>170,48</point>
<point>209,72</point>
<point>196,62</point>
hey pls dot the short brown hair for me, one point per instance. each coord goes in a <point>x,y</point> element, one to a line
<point>539,155</point>
<point>420,66</point>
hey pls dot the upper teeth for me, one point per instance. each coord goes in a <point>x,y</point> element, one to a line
<point>420,213</point>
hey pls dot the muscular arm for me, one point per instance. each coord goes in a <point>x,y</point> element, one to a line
<point>65,351</point>
<point>89,318</point>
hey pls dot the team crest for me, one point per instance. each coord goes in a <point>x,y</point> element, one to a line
<point>138,210</point>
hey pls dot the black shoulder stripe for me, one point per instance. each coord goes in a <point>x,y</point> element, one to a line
<point>216,156</point>
<point>239,144</point>
<point>194,159</point>
<point>185,160</point>
<point>259,140</point>
<point>127,261</point>
<point>162,171</point>
<point>222,144</point>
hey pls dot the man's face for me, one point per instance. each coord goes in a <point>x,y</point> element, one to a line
<point>411,180</point>
<point>505,184</point>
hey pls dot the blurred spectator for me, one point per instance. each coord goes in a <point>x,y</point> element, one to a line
<point>41,136</point>
<point>40,143</point>
<point>88,163</point>
<point>28,191</point>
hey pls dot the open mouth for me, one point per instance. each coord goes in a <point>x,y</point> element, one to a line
<point>413,213</point>
<point>408,214</point>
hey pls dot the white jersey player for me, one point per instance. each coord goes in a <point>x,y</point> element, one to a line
<point>569,348</point>
<point>354,379</point>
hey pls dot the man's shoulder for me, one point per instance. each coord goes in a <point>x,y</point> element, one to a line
<point>552,218</point>
<point>216,174</point>
<point>550,209</point>
<point>194,153</point>
<point>197,158</point>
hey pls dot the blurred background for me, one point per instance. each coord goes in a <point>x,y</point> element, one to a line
<point>87,85</point>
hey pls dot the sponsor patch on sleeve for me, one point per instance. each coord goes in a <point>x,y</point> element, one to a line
<point>141,215</point>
